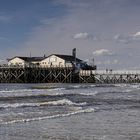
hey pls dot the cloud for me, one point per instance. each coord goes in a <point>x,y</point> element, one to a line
<point>137,34</point>
<point>123,39</point>
<point>128,38</point>
<point>102,52</point>
<point>84,35</point>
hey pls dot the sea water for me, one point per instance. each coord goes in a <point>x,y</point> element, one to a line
<point>69,112</point>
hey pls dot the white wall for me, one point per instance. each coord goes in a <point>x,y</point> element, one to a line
<point>17,61</point>
<point>53,61</point>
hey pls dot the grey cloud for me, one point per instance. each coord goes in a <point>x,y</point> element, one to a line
<point>85,35</point>
<point>122,39</point>
<point>137,34</point>
<point>102,52</point>
<point>127,39</point>
<point>82,36</point>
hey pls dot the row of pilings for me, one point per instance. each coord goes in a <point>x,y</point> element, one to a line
<point>38,75</point>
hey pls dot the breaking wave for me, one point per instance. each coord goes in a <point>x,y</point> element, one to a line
<point>28,92</point>
<point>89,94</point>
<point>127,90</point>
<point>53,89</point>
<point>16,105</point>
<point>57,102</point>
<point>21,90</point>
<point>88,110</point>
<point>62,102</point>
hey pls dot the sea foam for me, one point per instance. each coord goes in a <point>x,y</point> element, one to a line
<point>62,102</point>
<point>88,110</point>
<point>89,93</point>
<point>57,102</point>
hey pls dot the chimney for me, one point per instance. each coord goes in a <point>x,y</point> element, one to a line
<point>74,52</point>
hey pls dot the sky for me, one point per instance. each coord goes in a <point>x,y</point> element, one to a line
<point>107,31</point>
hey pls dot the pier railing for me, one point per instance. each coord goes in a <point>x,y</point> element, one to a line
<point>117,72</point>
<point>110,72</point>
<point>105,76</point>
<point>33,66</point>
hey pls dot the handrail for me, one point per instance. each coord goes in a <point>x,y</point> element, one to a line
<point>35,66</point>
<point>104,72</point>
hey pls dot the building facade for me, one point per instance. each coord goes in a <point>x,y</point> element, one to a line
<point>24,61</point>
<point>56,60</point>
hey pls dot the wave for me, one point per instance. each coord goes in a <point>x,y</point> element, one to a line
<point>105,85</point>
<point>88,110</point>
<point>5,97</point>
<point>89,94</point>
<point>29,93</point>
<point>80,86</point>
<point>128,85</point>
<point>113,92</point>
<point>55,94</point>
<point>53,89</point>
<point>63,102</point>
<point>135,86</point>
<point>21,90</point>
<point>17,105</point>
<point>127,91</point>
<point>57,102</point>
<point>121,85</point>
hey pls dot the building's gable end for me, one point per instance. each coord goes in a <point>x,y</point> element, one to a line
<point>53,60</point>
<point>16,61</point>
